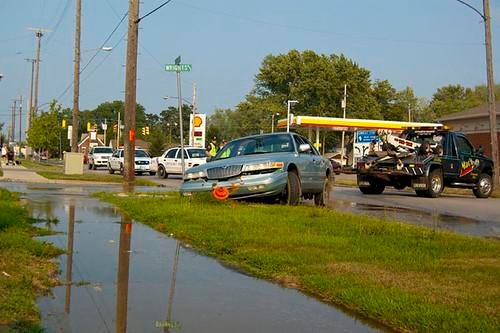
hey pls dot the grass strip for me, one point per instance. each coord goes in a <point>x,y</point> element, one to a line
<point>407,277</point>
<point>92,177</point>
<point>41,166</point>
<point>26,269</point>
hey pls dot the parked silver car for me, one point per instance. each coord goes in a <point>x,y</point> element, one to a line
<point>284,166</point>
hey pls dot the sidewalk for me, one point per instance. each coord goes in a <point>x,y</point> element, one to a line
<point>18,173</point>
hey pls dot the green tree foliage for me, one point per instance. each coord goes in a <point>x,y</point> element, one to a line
<point>157,140</point>
<point>169,123</point>
<point>46,132</point>
<point>108,112</point>
<point>456,98</point>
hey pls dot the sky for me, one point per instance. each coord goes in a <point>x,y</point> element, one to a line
<point>424,44</point>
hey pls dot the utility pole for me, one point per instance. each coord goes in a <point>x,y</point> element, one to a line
<point>344,106</point>
<point>13,121</point>
<point>38,34</point>
<point>118,129</point>
<point>29,114</point>
<point>491,91</point>
<point>76,79</point>
<point>409,113</point>
<point>191,139</point>
<point>20,118</point>
<point>130,94</point>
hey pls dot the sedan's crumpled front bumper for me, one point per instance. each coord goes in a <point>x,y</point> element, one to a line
<point>268,184</point>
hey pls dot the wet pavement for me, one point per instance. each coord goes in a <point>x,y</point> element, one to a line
<point>466,215</point>
<point>123,276</point>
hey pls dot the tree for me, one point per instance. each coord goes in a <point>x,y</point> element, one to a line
<point>452,98</point>
<point>46,132</point>
<point>169,123</point>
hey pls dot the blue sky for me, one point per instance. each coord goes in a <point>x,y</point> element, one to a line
<point>424,44</point>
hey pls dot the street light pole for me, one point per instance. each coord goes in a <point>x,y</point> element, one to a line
<point>289,104</point>
<point>490,83</point>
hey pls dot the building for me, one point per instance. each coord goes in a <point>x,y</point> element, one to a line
<point>475,123</point>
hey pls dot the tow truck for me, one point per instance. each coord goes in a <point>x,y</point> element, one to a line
<point>424,156</point>
<point>427,161</point>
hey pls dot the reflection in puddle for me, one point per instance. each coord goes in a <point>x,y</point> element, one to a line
<point>126,277</point>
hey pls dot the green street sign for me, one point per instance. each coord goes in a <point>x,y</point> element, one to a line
<point>178,68</point>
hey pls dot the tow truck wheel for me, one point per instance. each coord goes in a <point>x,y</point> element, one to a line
<point>374,188</point>
<point>484,186</point>
<point>322,198</point>
<point>435,185</point>
<point>291,193</point>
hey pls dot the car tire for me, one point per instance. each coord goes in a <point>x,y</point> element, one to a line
<point>322,198</point>
<point>94,167</point>
<point>90,166</point>
<point>291,193</point>
<point>484,186</point>
<point>110,169</point>
<point>374,188</point>
<point>161,172</point>
<point>435,184</point>
<point>121,168</point>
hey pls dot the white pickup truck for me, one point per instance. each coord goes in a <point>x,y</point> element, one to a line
<point>170,161</point>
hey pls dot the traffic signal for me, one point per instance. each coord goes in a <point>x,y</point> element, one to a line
<point>95,127</point>
<point>115,128</point>
<point>63,124</point>
<point>147,130</point>
<point>88,126</point>
<point>144,131</point>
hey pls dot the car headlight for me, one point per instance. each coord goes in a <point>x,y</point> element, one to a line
<point>262,166</point>
<point>195,175</point>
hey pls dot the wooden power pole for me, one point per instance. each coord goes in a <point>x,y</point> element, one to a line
<point>76,79</point>
<point>491,91</point>
<point>130,95</point>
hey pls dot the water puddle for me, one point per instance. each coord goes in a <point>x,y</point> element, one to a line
<point>434,220</point>
<point>123,276</point>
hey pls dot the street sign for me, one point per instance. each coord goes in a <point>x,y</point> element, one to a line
<point>365,136</point>
<point>178,68</point>
<point>177,60</point>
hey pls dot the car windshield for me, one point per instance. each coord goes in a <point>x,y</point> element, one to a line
<point>103,150</point>
<point>141,153</point>
<point>257,145</point>
<point>197,153</point>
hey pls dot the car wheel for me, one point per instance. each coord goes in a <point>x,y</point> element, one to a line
<point>110,169</point>
<point>90,166</point>
<point>291,193</point>
<point>121,168</point>
<point>161,172</point>
<point>484,186</point>
<point>322,198</point>
<point>434,184</point>
<point>94,167</point>
<point>374,188</point>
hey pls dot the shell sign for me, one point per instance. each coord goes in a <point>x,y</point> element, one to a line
<point>197,129</point>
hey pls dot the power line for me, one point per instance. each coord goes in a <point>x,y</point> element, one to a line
<point>151,12</point>
<point>95,55</point>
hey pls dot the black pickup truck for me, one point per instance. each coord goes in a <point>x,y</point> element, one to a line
<point>427,161</point>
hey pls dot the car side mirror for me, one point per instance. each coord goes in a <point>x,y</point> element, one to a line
<point>480,150</point>
<point>304,148</point>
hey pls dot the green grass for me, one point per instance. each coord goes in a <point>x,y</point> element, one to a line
<point>26,269</point>
<point>407,277</point>
<point>94,177</point>
<point>41,166</point>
